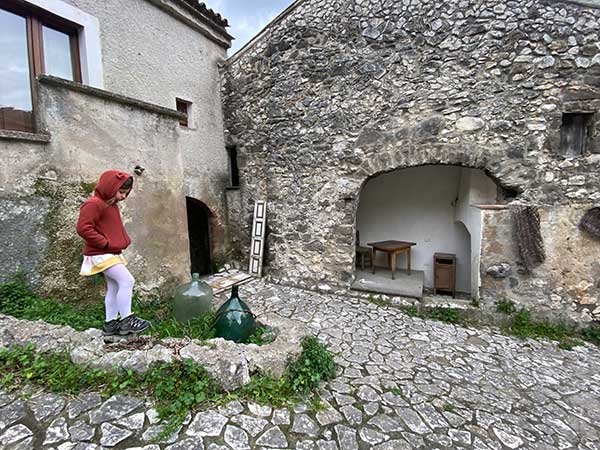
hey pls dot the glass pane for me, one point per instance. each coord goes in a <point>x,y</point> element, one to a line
<point>15,90</point>
<point>57,53</point>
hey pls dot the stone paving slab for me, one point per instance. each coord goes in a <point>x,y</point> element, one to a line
<point>403,383</point>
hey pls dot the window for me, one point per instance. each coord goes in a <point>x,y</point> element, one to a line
<point>575,133</point>
<point>186,108</point>
<point>233,166</point>
<point>32,42</point>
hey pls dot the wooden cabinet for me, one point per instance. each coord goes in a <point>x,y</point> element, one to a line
<point>444,273</point>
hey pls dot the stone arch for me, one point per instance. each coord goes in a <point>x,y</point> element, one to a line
<point>507,173</point>
<point>510,178</point>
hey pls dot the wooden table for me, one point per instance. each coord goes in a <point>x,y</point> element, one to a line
<point>393,249</point>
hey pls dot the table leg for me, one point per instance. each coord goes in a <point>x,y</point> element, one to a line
<point>373,254</point>
<point>408,260</point>
<point>393,263</point>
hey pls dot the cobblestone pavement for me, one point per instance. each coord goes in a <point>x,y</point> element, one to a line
<point>404,383</point>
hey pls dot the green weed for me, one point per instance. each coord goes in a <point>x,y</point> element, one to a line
<point>397,391</point>
<point>377,300</point>
<point>523,326</point>
<point>261,336</point>
<point>314,365</point>
<point>569,343</point>
<point>176,388</point>
<point>592,334</point>
<point>506,307</point>
<point>448,315</point>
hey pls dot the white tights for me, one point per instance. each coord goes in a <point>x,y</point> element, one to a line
<point>119,289</point>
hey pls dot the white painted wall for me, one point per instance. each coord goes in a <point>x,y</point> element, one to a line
<point>418,205</point>
<point>476,188</point>
<point>150,55</point>
<point>134,48</point>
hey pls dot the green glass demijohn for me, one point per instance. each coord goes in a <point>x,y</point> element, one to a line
<point>234,321</point>
<point>193,299</point>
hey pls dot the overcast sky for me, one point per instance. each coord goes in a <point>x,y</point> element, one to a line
<point>246,18</point>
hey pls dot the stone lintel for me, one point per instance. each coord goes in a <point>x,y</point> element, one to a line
<point>110,96</point>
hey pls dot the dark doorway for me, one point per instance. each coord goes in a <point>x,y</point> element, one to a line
<point>198,216</point>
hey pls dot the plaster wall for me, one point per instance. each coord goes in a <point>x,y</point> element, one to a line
<point>147,55</point>
<point>475,189</point>
<point>417,205</point>
<point>91,135</point>
<point>152,56</point>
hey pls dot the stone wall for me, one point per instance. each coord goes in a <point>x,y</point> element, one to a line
<point>336,92</point>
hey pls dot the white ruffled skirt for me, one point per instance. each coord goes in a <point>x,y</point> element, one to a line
<point>99,263</point>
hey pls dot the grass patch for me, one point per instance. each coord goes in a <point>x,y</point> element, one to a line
<point>522,325</point>
<point>176,388</point>
<point>506,307</point>
<point>261,336</point>
<point>454,316</point>
<point>197,328</point>
<point>592,334</point>
<point>17,300</point>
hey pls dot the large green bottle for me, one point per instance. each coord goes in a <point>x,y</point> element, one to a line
<point>192,300</point>
<point>234,320</point>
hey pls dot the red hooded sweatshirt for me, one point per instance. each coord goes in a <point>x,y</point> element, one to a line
<point>99,223</point>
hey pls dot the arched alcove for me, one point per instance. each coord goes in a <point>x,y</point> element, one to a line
<point>434,206</point>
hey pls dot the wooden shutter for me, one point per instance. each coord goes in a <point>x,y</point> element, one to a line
<point>258,238</point>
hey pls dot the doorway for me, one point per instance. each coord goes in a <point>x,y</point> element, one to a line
<point>198,216</point>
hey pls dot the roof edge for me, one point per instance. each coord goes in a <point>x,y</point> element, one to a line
<point>204,22</point>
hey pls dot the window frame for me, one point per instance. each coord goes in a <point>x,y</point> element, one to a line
<point>179,105</point>
<point>234,168</point>
<point>582,122</point>
<point>35,19</point>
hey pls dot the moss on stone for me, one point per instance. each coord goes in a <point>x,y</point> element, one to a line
<point>88,188</point>
<point>59,268</point>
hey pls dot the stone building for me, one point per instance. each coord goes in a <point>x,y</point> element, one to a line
<point>424,121</point>
<point>88,86</point>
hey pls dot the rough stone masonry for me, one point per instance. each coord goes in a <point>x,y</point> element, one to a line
<point>335,92</point>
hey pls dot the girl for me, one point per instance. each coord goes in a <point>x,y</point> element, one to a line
<point>101,227</point>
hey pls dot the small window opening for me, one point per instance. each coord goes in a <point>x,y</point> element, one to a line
<point>185,107</point>
<point>233,166</point>
<point>575,133</point>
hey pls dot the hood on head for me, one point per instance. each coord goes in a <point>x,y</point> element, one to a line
<point>109,183</point>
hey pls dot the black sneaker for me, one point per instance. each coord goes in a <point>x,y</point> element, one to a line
<point>133,325</point>
<point>111,328</point>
